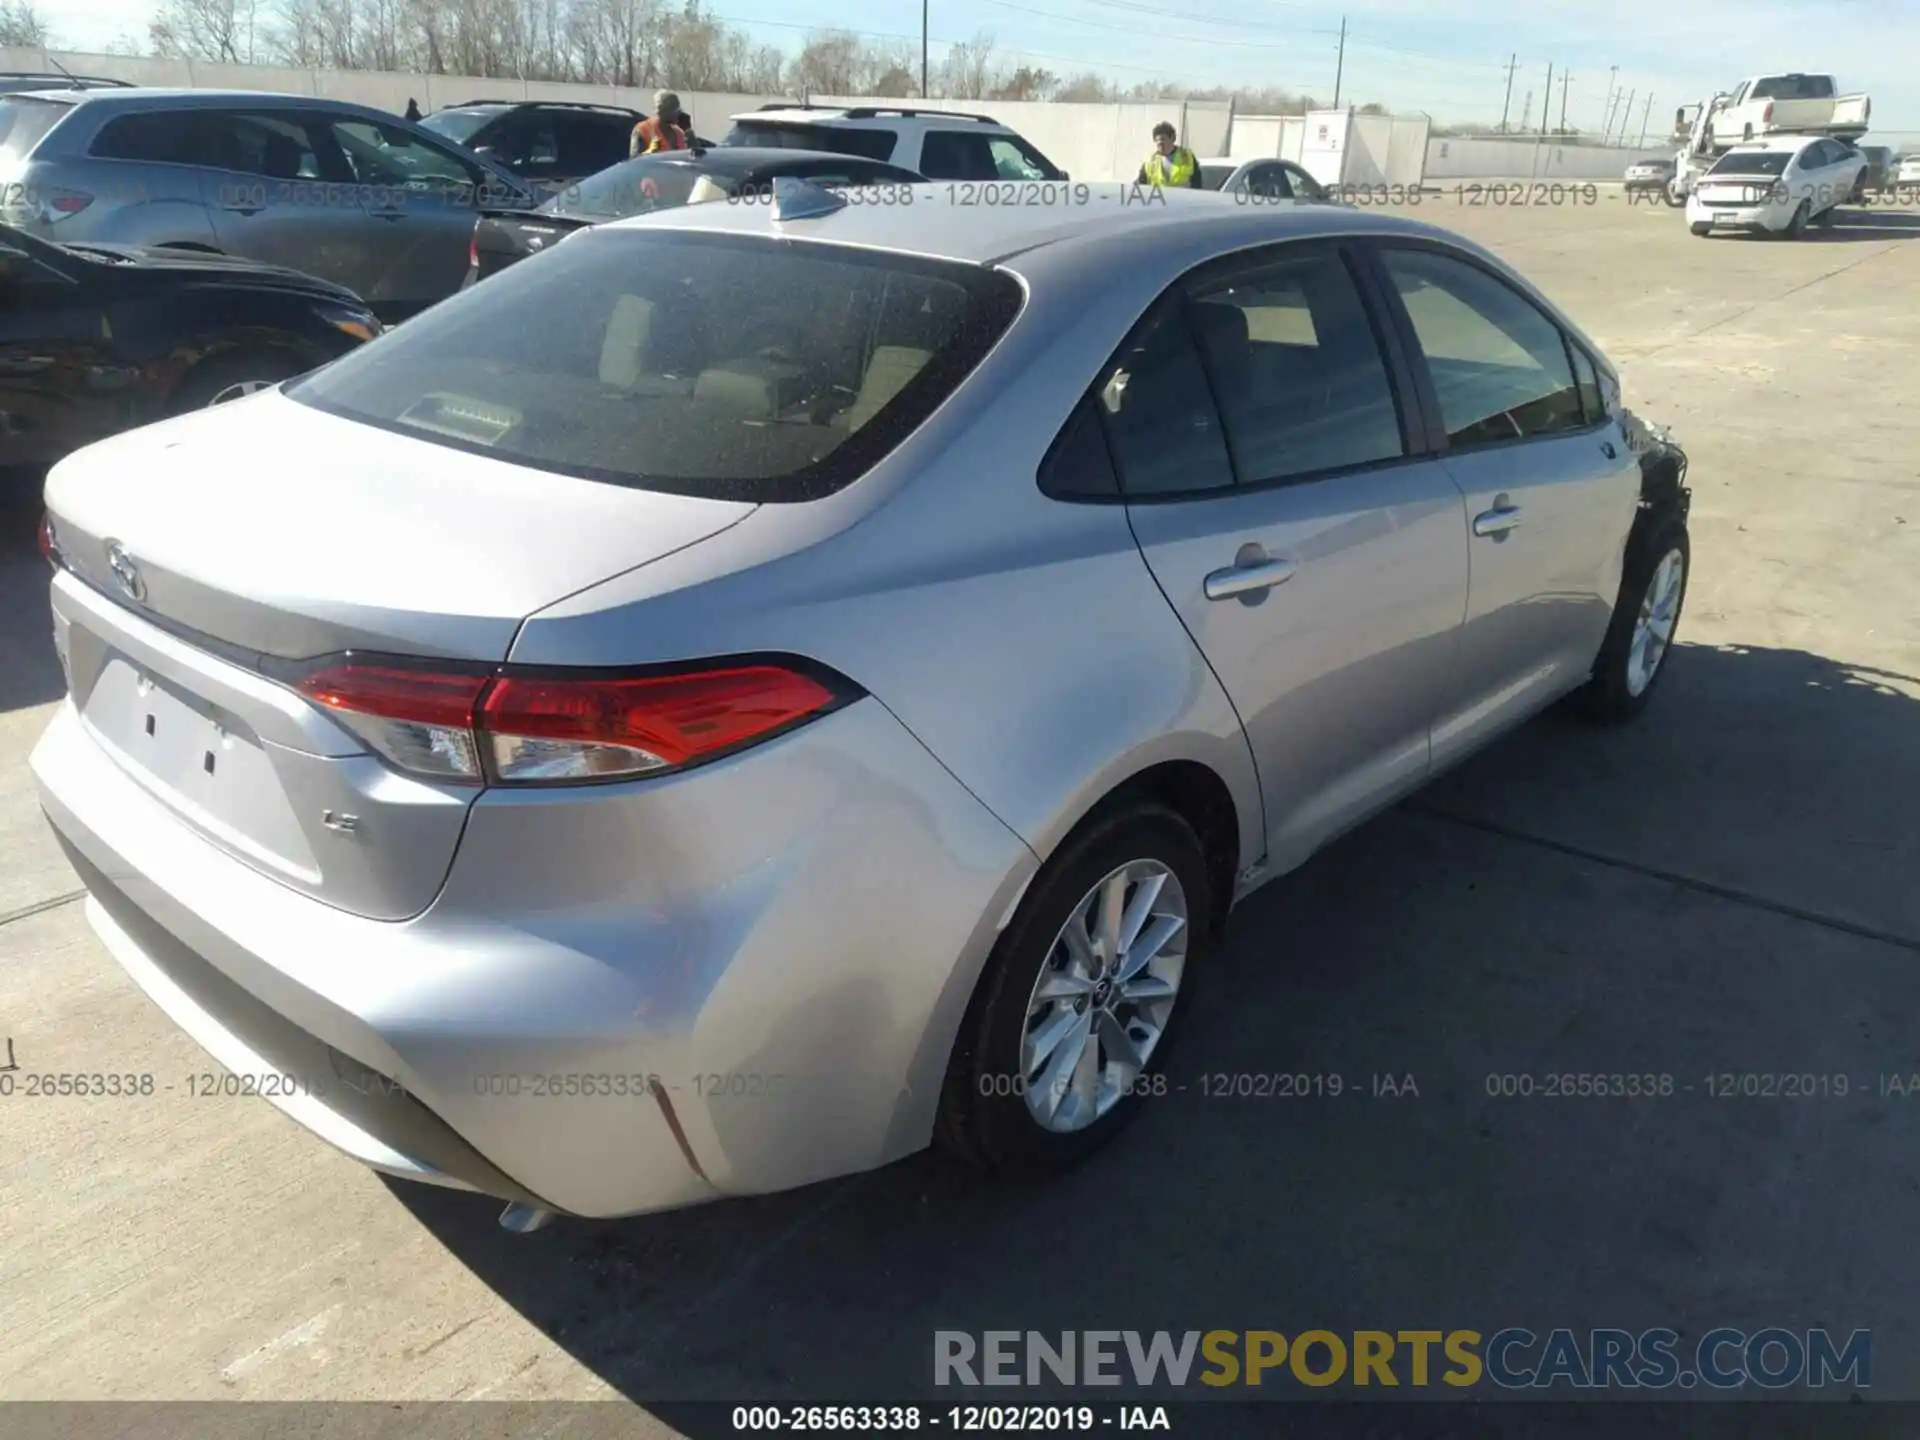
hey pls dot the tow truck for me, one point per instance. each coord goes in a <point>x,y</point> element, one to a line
<point>1789,103</point>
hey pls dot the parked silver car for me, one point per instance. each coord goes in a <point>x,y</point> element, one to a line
<point>760,685</point>
<point>344,192</point>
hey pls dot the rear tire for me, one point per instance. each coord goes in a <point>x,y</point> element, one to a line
<point>1646,618</point>
<point>226,377</point>
<point>1700,227</point>
<point>1002,1075</point>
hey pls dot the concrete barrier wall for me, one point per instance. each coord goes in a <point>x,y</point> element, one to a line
<point>1092,142</point>
<point>1481,158</point>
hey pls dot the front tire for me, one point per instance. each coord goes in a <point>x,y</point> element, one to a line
<point>1700,227</point>
<point>1797,226</point>
<point>1646,616</point>
<point>1067,1032</point>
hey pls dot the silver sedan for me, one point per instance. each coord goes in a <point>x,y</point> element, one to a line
<point>757,688</point>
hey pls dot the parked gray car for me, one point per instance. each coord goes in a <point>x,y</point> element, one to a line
<point>1262,179</point>
<point>760,686</point>
<point>340,191</point>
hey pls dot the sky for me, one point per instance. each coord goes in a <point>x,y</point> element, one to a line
<point>1448,58</point>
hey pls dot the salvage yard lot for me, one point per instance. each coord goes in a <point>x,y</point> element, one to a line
<point>1726,885</point>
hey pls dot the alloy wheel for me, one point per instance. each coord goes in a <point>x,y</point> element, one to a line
<point>1653,629</point>
<point>239,390</point>
<point>1104,995</point>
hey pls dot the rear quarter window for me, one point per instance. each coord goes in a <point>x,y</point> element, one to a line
<point>733,367</point>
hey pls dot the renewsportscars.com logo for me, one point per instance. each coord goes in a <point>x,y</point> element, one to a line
<point>1512,1359</point>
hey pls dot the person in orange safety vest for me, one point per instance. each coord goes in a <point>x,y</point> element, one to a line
<point>661,130</point>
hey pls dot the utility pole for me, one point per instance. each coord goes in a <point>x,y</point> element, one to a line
<point>1612,94</point>
<point>1340,65</point>
<point>923,48</point>
<point>1513,63</point>
<point>1646,118</point>
<point>1526,110</point>
<point>1546,101</point>
<point>1565,78</point>
<point>1626,117</point>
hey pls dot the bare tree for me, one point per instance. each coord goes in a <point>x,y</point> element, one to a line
<point>1026,83</point>
<point>223,30</point>
<point>23,25</point>
<point>828,64</point>
<point>968,71</point>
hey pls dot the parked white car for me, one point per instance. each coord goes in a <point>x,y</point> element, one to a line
<point>1779,185</point>
<point>1908,172</point>
<point>939,144</point>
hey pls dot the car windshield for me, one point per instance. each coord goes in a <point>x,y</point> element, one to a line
<point>24,120</point>
<point>738,367</point>
<point>1752,162</point>
<point>633,187</point>
<point>461,125</point>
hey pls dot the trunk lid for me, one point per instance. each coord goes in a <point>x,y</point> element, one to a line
<point>200,552</point>
<point>277,528</point>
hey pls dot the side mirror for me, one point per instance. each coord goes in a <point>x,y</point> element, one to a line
<point>1066,175</point>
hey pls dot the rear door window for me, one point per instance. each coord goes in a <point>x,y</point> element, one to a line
<point>1157,406</point>
<point>875,144</point>
<point>974,155</point>
<point>736,367</point>
<point>167,137</point>
<point>591,143</point>
<point>1300,380</point>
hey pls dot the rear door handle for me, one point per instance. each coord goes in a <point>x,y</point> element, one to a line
<point>1250,579</point>
<point>1497,521</point>
<point>386,214</point>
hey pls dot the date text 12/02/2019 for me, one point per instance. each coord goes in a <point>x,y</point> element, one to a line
<point>960,1419</point>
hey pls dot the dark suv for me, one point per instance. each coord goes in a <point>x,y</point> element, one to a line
<point>546,143</point>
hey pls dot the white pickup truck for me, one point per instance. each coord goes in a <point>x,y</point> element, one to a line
<point>1792,104</point>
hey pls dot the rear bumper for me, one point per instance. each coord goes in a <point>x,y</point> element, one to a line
<point>631,999</point>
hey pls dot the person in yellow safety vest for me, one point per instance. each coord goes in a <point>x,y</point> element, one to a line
<point>660,130</point>
<point>1170,163</point>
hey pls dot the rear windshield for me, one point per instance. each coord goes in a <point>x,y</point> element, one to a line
<point>837,140</point>
<point>1793,87</point>
<point>23,121</point>
<point>1752,162</point>
<point>633,187</point>
<point>733,367</point>
<point>461,126</point>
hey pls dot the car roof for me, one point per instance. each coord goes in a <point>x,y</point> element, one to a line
<point>484,104</point>
<point>738,159</point>
<point>862,115</point>
<point>182,98</point>
<point>944,224</point>
<point>1775,143</point>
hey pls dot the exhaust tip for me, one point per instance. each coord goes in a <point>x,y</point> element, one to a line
<point>524,1219</point>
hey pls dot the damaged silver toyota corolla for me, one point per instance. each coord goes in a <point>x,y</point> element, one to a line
<point>757,688</point>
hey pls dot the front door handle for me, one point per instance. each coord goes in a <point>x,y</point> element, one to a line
<point>1252,578</point>
<point>1497,521</point>
<point>1606,449</point>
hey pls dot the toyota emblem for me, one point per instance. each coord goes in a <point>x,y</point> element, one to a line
<point>125,573</point>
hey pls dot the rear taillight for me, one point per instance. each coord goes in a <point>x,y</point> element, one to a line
<point>516,728</point>
<point>421,720</point>
<point>1766,115</point>
<point>473,247</point>
<point>49,542</point>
